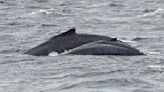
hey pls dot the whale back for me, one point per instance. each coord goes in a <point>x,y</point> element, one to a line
<point>64,41</point>
<point>105,47</point>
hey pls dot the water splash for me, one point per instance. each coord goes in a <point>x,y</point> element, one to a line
<point>53,54</point>
<point>128,41</point>
<point>56,54</point>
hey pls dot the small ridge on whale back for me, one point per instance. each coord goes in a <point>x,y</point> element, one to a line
<point>70,31</point>
<point>114,39</point>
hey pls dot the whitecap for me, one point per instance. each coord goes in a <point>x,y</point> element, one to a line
<point>156,67</point>
<point>40,11</point>
<point>154,53</point>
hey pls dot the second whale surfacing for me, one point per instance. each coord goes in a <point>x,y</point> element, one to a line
<point>105,47</point>
<point>70,40</point>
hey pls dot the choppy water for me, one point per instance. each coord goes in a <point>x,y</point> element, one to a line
<point>27,23</point>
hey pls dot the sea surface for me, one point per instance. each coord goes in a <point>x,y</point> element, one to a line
<point>26,23</point>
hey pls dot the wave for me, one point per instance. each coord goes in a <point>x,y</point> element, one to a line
<point>48,25</point>
<point>47,12</point>
<point>140,39</point>
<point>41,11</point>
<point>104,4</point>
<point>107,83</point>
<point>97,5</point>
<point>151,12</point>
<point>42,1</point>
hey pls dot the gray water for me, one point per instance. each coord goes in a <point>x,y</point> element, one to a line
<point>27,23</point>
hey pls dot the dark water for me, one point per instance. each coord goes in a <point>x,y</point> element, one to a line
<point>27,23</point>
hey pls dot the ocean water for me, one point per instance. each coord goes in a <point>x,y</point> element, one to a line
<point>27,23</point>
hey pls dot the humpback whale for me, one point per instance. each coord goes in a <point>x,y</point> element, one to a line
<point>70,40</point>
<point>105,47</point>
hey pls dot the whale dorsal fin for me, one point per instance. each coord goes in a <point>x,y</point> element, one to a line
<point>114,39</point>
<point>69,32</point>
